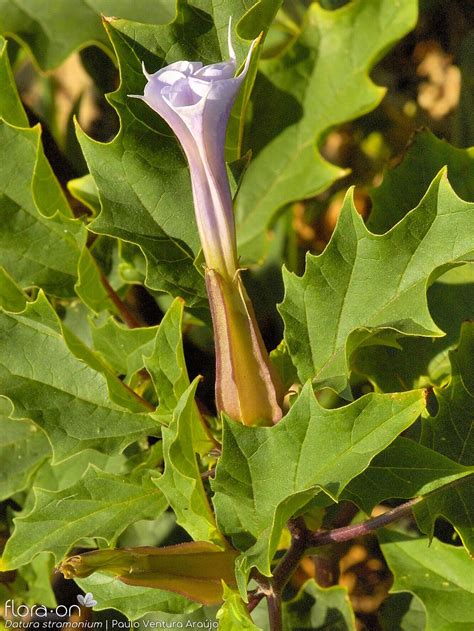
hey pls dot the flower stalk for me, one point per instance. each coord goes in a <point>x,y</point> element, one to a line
<point>196,102</point>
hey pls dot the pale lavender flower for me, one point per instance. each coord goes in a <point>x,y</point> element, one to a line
<point>196,102</point>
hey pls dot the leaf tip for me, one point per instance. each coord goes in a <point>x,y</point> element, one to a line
<point>3,566</point>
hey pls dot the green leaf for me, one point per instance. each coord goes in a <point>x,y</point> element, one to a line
<point>367,289</point>
<point>404,186</point>
<point>405,469</point>
<point>265,475</point>
<point>142,176</point>
<point>100,505</point>
<point>402,612</point>
<point>23,447</point>
<point>455,503</point>
<point>321,80</point>
<point>463,123</point>
<point>440,575</point>
<point>123,348</point>
<point>442,460</point>
<point>84,189</point>
<point>319,609</point>
<point>31,584</point>
<point>89,286</point>
<point>54,30</point>
<point>12,298</point>
<point>37,576</point>
<point>181,481</point>
<point>70,403</point>
<point>420,361</point>
<point>133,601</point>
<point>40,241</point>
<point>167,367</point>
<point>11,109</point>
<point>280,358</point>
<point>449,432</point>
<point>120,393</point>
<point>166,364</point>
<point>233,615</point>
<point>57,477</point>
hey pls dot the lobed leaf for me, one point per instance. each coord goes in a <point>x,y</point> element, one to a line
<point>100,505</point>
<point>318,609</point>
<point>123,348</point>
<point>181,481</point>
<point>60,393</point>
<point>423,361</point>
<point>437,573</point>
<point>167,368</point>
<point>265,475</point>
<point>404,186</point>
<point>319,81</point>
<point>54,30</point>
<point>23,447</point>
<point>368,289</point>
<point>142,176</point>
<point>233,615</point>
<point>442,462</point>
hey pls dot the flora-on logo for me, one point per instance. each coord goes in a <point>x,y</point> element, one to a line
<point>22,611</point>
<point>87,600</point>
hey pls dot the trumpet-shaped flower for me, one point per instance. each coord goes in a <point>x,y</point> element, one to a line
<point>196,102</point>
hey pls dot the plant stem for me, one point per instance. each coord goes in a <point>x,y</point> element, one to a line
<point>294,554</point>
<point>125,313</point>
<point>254,599</point>
<point>274,611</point>
<point>303,539</point>
<point>350,532</point>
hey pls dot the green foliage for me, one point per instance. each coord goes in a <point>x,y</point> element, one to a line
<point>100,505</point>
<point>181,482</point>
<point>438,574</point>
<point>233,615</point>
<point>304,92</point>
<point>53,30</point>
<point>317,608</point>
<point>441,462</point>
<point>324,450</point>
<point>324,311</point>
<point>105,328</point>
<point>80,413</point>
<point>403,187</point>
<point>133,601</point>
<point>423,361</point>
<point>23,447</point>
<point>167,368</point>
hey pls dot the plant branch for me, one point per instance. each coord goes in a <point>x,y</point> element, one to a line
<point>210,473</point>
<point>294,554</point>
<point>254,599</point>
<point>127,316</point>
<point>303,539</point>
<point>346,533</point>
<point>274,611</point>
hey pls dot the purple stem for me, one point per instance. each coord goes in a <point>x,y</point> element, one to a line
<point>350,532</point>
